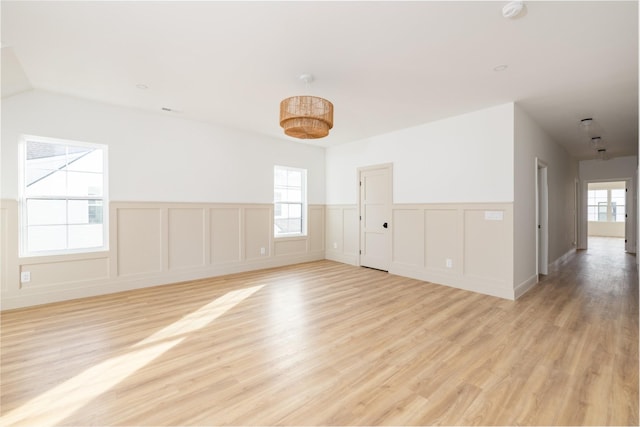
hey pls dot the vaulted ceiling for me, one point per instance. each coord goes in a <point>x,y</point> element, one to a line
<point>386,65</point>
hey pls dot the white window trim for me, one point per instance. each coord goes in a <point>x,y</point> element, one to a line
<point>22,154</point>
<point>304,210</point>
<point>610,216</point>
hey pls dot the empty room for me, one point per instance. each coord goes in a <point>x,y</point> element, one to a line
<point>319,213</point>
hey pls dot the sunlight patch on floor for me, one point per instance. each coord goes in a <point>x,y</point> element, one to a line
<point>63,400</point>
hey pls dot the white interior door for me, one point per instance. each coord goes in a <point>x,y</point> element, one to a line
<point>375,216</point>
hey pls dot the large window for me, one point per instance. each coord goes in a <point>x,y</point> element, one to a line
<point>606,203</point>
<point>290,201</point>
<point>64,196</point>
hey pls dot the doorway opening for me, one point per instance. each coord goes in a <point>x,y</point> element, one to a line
<point>609,223</point>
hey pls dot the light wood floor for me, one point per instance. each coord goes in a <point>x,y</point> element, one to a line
<point>329,344</point>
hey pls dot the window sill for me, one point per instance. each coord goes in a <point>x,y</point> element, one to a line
<point>606,222</point>
<point>292,237</point>
<point>37,259</point>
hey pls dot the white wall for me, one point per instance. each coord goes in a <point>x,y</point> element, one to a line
<point>447,176</point>
<point>531,142</point>
<point>159,157</point>
<point>462,159</point>
<point>608,170</point>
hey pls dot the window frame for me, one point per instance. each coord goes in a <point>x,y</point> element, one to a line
<point>615,206</point>
<point>24,251</point>
<point>303,204</point>
<point>611,207</point>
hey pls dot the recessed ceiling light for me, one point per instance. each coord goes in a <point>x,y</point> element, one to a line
<point>142,87</point>
<point>499,68</point>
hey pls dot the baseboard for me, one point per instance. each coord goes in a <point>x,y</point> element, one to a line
<point>563,257</point>
<point>525,286</point>
<point>343,258</point>
<point>459,281</point>
<point>46,295</point>
<point>529,283</point>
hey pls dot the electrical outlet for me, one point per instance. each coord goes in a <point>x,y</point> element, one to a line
<point>263,251</point>
<point>335,245</point>
<point>25,276</point>
<point>449,263</point>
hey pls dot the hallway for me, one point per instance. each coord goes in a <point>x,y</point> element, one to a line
<point>597,293</point>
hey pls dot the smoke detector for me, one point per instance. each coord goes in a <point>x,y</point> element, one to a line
<point>513,9</point>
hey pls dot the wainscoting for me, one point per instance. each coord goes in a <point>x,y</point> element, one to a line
<point>156,243</point>
<point>342,234</point>
<point>467,246</point>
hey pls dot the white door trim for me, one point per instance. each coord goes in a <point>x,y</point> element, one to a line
<point>542,217</point>
<point>629,223</point>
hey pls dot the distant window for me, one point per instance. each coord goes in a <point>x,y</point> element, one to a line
<point>618,209</point>
<point>63,196</point>
<point>290,201</point>
<point>606,205</point>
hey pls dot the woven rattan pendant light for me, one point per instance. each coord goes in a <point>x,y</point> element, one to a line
<point>306,117</point>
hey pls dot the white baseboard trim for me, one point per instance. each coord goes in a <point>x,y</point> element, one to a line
<point>60,292</point>
<point>525,286</point>
<point>571,252</point>
<point>343,258</point>
<point>478,285</point>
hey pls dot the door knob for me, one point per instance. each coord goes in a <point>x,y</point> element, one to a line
<point>385,225</point>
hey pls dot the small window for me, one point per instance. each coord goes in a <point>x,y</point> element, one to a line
<point>290,201</point>
<point>63,197</point>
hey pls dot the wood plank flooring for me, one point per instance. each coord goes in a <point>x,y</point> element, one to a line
<point>329,344</point>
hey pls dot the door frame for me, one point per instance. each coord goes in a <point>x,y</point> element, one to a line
<point>576,213</point>
<point>542,217</point>
<point>630,219</point>
<point>360,170</point>
<point>630,209</point>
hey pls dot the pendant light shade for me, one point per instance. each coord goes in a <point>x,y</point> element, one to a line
<point>306,117</point>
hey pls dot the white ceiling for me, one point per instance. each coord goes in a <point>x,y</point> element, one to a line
<point>384,65</point>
